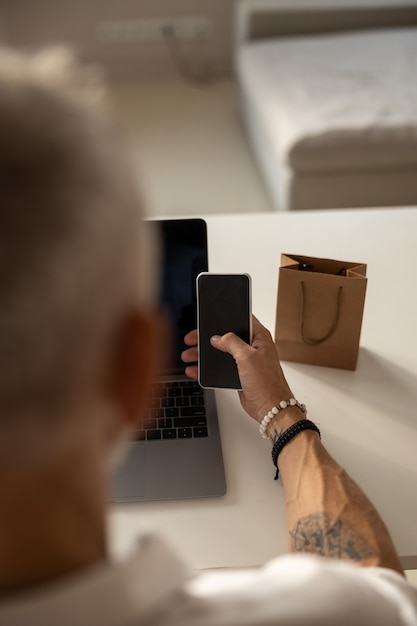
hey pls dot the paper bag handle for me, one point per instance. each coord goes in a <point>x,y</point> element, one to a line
<point>316,342</point>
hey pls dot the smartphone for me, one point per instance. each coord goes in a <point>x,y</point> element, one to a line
<point>223,305</point>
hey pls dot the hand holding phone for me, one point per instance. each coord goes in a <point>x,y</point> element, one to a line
<point>223,305</point>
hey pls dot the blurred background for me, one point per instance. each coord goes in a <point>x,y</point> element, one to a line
<point>173,94</point>
<point>250,105</point>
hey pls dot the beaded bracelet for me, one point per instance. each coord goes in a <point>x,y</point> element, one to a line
<point>275,410</point>
<point>286,437</point>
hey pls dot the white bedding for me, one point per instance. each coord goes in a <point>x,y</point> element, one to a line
<point>344,102</point>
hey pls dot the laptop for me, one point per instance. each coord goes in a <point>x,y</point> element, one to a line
<point>176,452</point>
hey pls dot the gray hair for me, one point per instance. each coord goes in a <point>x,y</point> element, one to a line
<point>73,247</point>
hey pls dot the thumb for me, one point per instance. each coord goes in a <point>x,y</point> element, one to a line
<point>230,343</point>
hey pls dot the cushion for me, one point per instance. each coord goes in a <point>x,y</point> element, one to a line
<point>337,102</point>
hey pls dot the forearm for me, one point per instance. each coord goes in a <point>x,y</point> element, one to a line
<point>327,513</point>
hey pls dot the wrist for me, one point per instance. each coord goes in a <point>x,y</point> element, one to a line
<point>282,394</point>
<point>284,419</point>
<point>291,407</point>
<point>288,436</point>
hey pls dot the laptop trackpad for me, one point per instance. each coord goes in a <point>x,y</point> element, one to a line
<point>129,480</point>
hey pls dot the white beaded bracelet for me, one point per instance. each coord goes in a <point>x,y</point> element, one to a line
<point>275,410</point>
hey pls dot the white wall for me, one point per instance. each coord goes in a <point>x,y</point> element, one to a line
<point>36,22</point>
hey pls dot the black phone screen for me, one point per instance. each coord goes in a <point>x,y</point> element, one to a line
<point>224,305</point>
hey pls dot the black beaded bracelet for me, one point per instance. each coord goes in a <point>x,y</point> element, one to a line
<point>286,436</point>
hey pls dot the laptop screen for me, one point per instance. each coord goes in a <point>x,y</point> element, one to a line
<point>184,248</point>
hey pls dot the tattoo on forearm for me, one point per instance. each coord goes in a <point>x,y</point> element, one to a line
<point>275,435</point>
<point>327,536</point>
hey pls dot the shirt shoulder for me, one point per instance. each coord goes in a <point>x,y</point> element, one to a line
<point>296,589</point>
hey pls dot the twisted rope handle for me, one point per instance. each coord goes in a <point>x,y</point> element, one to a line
<point>316,342</point>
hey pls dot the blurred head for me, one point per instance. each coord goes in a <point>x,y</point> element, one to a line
<point>75,260</point>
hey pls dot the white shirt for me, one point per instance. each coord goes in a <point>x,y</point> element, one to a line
<point>155,588</point>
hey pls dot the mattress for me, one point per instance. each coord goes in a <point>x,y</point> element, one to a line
<point>333,103</point>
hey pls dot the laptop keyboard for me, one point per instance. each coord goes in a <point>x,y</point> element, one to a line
<point>177,411</point>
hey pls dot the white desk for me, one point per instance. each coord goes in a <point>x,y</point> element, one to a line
<point>368,418</point>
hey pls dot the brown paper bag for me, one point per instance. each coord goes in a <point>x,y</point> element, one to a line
<point>319,311</point>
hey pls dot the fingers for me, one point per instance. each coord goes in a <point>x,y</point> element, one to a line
<point>256,325</point>
<point>192,372</point>
<point>259,330</point>
<point>191,338</point>
<point>190,355</point>
<point>230,343</point>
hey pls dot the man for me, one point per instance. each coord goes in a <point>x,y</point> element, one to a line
<point>80,341</point>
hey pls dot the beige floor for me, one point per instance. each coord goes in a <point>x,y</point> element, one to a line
<point>412,576</point>
<point>189,148</point>
<point>190,152</point>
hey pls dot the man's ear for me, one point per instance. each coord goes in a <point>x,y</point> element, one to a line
<point>140,354</point>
